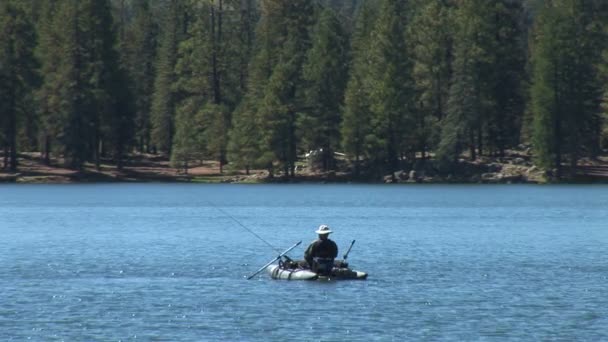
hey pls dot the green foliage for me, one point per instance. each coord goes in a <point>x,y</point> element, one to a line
<point>466,103</point>
<point>484,103</point>
<point>47,102</point>
<point>17,77</point>
<point>274,119</point>
<point>208,74</point>
<point>73,138</point>
<point>138,46</point>
<point>242,149</point>
<point>85,106</point>
<point>391,86</point>
<point>431,44</point>
<point>257,83</point>
<point>111,104</point>
<point>565,88</point>
<point>325,72</point>
<point>188,144</point>
<point>215,134</point>
<point>164,98</point>
<point>356,117</point>
<point>506,80</point>
<point>276,79</point>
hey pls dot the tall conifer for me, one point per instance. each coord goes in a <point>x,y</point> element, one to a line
<point>139,52</point>
<point>325,72</point>
<point>392,88</point>
<point>356,118</point>
<point>17,77</point>
<point>164,99</point>
<point>565,88</point>
<point>469,97</point>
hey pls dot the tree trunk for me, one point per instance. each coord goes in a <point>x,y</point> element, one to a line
<point>573,164</point>
<point>292,151</point>
<point>216,36</point>
<point>11,134</point>
<point>597,134</point>
<point>47,150</point>
<point>557,126</point>
<point>97,146</point>
<point>13,143</point>
<point>147,144</point>
<point>480,140</point>
<point>327,158</point>
<point>472,146</point>
<point>246,8</point>
<point>5,166</point>
<point>119,153</point>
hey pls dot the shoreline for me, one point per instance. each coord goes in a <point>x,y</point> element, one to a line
<point>155,169</point>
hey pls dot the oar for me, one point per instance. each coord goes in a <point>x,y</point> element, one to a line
<point>348,251</point>
<point>275,259</point>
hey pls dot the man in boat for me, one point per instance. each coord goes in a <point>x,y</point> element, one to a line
<point>321,253</point>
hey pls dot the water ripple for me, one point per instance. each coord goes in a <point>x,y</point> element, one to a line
<point>159,262</point>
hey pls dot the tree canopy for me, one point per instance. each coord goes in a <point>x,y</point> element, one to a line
<point>261,83</point>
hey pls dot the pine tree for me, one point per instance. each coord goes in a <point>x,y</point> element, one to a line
<point>188,141</point>
<point>506,76</point>
<point>208,73</point>
<point>276,79</point>
<point>48,52</point>
<point>325,71</point>
<point>164,99</point>
<point>469,98</point>
<point>431,43</point>
<point>246,34</point>
<point>246,143</point>
<point>74,110</point>
<point>602,125</point>
<point>356,117</point>
<point>17,77</point>
<point>226,73</point>
<point>346,10</point>
<point>139,52</point>
<point>392,88</point>
<point>565,86</point>
<point>110,108</point>
<point>85,103</point>
<point>242,149</point>
<point>276,117</point>
<point>193,85</point>
<point>215,135</point>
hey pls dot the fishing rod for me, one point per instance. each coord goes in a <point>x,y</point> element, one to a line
<point>348,251</point>
<point>247,229</point>
<point>283,254</point>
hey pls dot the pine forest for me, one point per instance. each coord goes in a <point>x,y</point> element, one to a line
<point>367,87</point>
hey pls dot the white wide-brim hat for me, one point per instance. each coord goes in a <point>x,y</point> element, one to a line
<point>323,229</point>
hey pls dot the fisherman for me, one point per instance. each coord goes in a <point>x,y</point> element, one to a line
<point>321,253</point>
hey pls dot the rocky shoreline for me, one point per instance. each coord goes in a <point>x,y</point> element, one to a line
<point>511,171</point>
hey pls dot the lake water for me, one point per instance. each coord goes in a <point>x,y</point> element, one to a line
<point>166,262</point>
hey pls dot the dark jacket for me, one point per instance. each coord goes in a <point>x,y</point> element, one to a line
<point>321,249</point>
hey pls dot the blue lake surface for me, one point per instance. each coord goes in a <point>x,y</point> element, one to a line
<point>166,262</point>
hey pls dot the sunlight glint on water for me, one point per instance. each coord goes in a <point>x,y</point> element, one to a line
<point>160,262</point>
